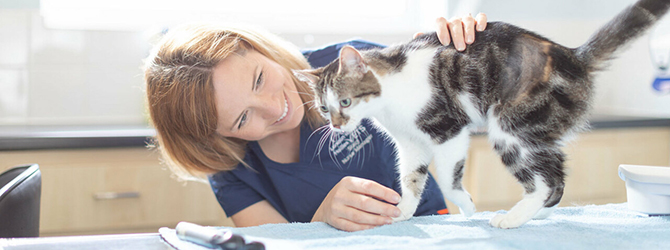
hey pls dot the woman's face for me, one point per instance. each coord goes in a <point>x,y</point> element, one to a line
<point>255,97</point>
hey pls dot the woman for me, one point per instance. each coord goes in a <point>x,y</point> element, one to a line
<point>225,105</point>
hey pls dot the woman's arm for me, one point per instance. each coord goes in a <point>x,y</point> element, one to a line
<point>257,214</point>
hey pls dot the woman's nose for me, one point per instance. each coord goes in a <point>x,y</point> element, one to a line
<point>270,107</point>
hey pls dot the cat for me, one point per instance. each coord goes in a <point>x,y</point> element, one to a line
<point>531,94</point>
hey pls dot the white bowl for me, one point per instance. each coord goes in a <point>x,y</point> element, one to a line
<point>647,188</point>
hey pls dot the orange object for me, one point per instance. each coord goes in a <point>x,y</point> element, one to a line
<point>443,211</point>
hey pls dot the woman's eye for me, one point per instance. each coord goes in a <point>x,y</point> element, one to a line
<point>243,120</point>
<point>324,109</point>
<point>345,102</point>
<point>259,81</point>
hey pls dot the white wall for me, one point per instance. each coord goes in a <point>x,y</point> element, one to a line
<point>85,77</point>
<point>68,77</point>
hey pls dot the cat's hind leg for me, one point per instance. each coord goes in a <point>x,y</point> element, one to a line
<point>413,163</point>
<point>545,212</point>
<point>540,171</point>
<point>449,162</point>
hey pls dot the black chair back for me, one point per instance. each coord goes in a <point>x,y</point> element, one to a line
<point>20,193</point>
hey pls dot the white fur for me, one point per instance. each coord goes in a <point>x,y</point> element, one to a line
<point>331,99</point>
<point>545,212</point>
<point>496,135</point>
<point>525,209</point>
<point>473,112</point>
<point>446,157</point>
<point>412,85</point>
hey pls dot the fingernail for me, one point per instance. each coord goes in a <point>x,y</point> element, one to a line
<point>395,198</point>
<point>396,213</point>
<point>469,40</point>
<point>446,41</point>
<point>460,47</point>
<point>388,221</point>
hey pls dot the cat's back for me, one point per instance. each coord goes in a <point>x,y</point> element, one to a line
<point>494,45</point>
<point>496,66</point>
<point>498,34</point>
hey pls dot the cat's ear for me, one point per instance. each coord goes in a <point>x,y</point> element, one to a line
<point>351,61</point>
<point>310,76</point>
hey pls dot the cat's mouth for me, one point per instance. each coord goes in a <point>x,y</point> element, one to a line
<point>283,116</point>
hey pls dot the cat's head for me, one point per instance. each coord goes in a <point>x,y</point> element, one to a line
<point>344,89</point>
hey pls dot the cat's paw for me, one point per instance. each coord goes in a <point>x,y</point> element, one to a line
<point>407,208</point>
<point>468,209</point>
<point>506,221</point>
<point>402,217</point>
<point>544,213</point>
<point>463,201</point>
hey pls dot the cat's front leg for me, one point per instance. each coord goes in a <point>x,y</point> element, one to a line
<point>413,168</point>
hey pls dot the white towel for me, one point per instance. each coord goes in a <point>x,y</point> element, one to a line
<point>610,226</point>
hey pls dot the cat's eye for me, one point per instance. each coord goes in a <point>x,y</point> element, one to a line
<point>324,109</point>
<point>345,102</point>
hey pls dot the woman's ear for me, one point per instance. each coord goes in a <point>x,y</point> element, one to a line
<point>310,76</point>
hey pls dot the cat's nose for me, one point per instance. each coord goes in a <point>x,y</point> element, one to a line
<point>336,126</point>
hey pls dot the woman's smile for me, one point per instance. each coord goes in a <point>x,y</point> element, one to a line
<point>285,114</point>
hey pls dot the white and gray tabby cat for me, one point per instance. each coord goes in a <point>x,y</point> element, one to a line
<point>530,92</point>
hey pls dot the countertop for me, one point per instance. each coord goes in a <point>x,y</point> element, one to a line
<point>57,137</point>
<point>99,136</point>
<point>145,241</point>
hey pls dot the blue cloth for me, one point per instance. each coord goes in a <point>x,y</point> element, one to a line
<point>611,226</point>
<point>321,57</point>
<point>296,190</point>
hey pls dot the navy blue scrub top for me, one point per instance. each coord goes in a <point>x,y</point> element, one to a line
<point>297,189</point>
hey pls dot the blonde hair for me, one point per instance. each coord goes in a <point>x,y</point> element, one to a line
<point>180,94</point>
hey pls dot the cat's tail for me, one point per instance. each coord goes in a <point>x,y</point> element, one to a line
<point>625,27</point>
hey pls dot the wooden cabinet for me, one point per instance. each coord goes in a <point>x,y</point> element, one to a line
<point>120,190</point>
<point>592,165</point>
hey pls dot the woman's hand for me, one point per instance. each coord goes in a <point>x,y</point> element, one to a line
<point>459,30</point>
<point>356,204</point>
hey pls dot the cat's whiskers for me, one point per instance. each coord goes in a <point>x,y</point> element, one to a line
<point>309,107</point>
<point>334,136</point>
<point>304,93</point>
<point>322,142</point>
<point>366,135</point>
<point>351,136</point>
<point>361,153</point>
<point>310,136</point>
<point>372,144</point>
